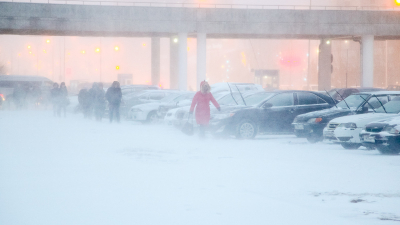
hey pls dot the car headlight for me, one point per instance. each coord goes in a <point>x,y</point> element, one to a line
<point>222,116</point>
<point>391,130</point>
<point>348,125</point>
<point>314,120</point>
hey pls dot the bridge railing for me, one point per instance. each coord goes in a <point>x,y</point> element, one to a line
<point>208,5</point>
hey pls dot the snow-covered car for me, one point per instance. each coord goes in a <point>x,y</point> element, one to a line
<point>148,112</point>
<point>311,125</point>
<point>383,135</point>
<point>235,87</point>
<point>179,116</point>
<point>348,131</point>
<point>181,101</point>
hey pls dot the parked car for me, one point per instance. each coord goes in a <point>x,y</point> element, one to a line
<point>311,125</point>
<point>235,87</point>
<point>267,112</point>
<point>127,89</point>
<point>147,113</point>
<point>181,101</point>
<point>179,116</point>
<point>383,135</point>
<point>142,97</point>
<point>338,93</point>
<point>348,132</point>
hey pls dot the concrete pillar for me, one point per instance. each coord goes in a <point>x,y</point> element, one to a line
<point>367,78</point>
<point>155,61</point>
<point>325,65</point>
<point>173,62</point>
<point>182,64</point>
<point>201,58</point>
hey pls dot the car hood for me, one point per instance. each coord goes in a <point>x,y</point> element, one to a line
<point>147,106</point>
<point>363,119</point>
<point>229,109</point>
<point>326,113</point>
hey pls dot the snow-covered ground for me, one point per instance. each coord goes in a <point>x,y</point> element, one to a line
<point>56,171</point>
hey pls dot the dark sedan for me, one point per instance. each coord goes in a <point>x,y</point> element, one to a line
<point>267,112</point>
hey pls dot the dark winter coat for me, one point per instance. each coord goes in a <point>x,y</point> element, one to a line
<point>99,98</point>
<point>114,96</point>
<point>55,95</point>
<point>64,96</point>
<point>84,98</point>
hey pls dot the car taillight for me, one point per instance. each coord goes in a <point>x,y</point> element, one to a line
<point>2,97</point>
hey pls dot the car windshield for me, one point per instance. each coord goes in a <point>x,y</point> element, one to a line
<point>258,98</point>
<point>170,97</point>
<point>354,101</point>
<point>228,99</point>
<point>390,107</point>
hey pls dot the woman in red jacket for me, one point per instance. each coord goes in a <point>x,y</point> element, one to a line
<point>202,102</point>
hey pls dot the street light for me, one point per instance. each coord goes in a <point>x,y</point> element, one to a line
<point>83,52</point>
<point>48,41</point>
<point>97,49</point>
<point>29,46</point>
<point>117,67</point>
<point>397,2</point>
<point>116,48</point>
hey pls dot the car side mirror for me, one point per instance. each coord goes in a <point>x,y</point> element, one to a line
<point>267,106</point>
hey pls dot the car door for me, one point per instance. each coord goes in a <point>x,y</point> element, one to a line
<point>309,102</point>
<point>279,116</point>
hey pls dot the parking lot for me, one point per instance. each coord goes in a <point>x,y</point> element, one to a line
<point>76,171</point>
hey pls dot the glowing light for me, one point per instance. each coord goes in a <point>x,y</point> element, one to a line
<point>397,2</point>
<point>116,48</point>
<point>44,51</point>
<point>117,67</point>
<point>348,41</point>
<point>83,52</point>
<point>227,61</point>
<point>328,42</point>
<point>30,52</point>
<point>97,49</point>
<point>144,44</point>
<point>175,40</point>
<point>188,48</point>
<point>29,46</point>
<point>47,41</point>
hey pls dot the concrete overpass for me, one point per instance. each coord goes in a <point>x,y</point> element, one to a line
<point>202,23</point>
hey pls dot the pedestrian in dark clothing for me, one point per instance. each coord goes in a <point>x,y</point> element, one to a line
<point>92,95</point>
<point>99,102</point>
<point>64,101</point>
<point>55,98</point>
<point>201,101</point>
<point>114,97</point>
<point>84,102</point>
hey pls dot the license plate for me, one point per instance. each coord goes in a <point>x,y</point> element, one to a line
<point>299,126</point>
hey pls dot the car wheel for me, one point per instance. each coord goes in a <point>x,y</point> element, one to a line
<point>389,149</point>
<point>314,138</point>
<point>246,130</point>
<point>350,145</point>
<point>152,118</point>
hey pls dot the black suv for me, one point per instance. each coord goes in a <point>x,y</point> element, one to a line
<point>267,112</point>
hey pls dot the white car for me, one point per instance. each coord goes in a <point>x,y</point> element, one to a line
<point>349,128</point>
<point>148,112</point>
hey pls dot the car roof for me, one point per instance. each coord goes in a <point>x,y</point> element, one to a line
<point>378,92</point>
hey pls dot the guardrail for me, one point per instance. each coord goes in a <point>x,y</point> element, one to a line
<point>208,5</point>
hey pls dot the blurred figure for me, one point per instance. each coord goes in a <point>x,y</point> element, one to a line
<point>202,101</point>
<point>55,98</point>
<point>99,102</point>
<point>92,95</point>
<point>19,96</point>
<point>114,96</point>
<point>36,95</point>
<point>64,101</point>
<point>84,102</point>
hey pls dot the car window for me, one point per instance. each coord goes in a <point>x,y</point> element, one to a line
<point>374,102</point>
<point>307,98</point>
<point>390,107</point>
<point>285,99</point>
<point>156,96</point>
<point>354,101</point>
<point>228,99</point>
<point>143,96</point>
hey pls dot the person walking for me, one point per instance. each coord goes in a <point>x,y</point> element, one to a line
<point>202,101</point>
<point>99,102</point>
<point>55,98</point>
<point>64,101</point>
<point>114,97</point>
<point>84,104</point>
